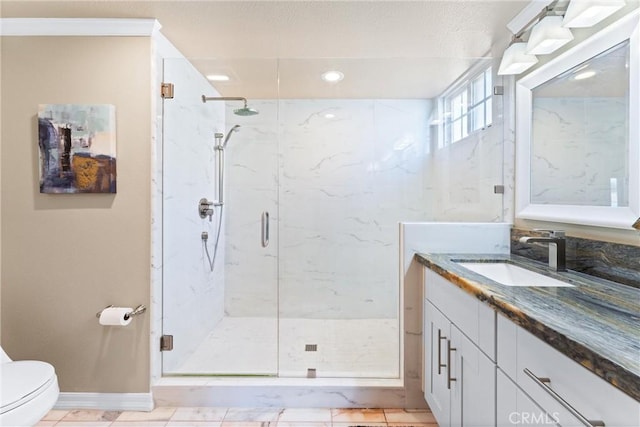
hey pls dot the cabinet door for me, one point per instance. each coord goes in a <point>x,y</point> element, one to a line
<point>436,393</point>
<point>473,382</point>
<point>506,401</point>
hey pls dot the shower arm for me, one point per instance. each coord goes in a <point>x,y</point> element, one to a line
<point>225,98</point>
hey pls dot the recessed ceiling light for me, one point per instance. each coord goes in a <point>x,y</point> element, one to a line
<point>218,77</point>
<point>332,76</point>
<point>329,116</point>
<point>585,75</point>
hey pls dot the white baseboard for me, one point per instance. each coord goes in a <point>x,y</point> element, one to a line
<point>106,401</point>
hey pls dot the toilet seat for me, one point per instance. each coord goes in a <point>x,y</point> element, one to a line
<point>28,391</point>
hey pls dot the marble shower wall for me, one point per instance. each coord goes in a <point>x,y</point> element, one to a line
<point>581,143</point>
<point>251,189</point>
<point>193,296</point>
<point>336,188</point>
<point>462,175</point>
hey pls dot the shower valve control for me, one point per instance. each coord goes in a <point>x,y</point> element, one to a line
<point>205,208</point>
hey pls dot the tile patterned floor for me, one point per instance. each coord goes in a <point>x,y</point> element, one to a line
<point>240,417</point>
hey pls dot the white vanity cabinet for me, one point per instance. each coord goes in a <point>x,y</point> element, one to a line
<point>482,369</point>
<point>551,388</point>
<point>459,378</point>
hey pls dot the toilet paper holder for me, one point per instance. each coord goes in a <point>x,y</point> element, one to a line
<point>136,311</point>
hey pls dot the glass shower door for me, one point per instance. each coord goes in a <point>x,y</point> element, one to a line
<point>350,171</point>
<point>223,319</point>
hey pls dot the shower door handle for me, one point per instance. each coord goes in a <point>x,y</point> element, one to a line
<point>265,229</point>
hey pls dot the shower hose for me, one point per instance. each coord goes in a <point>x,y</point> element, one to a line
<point>211,260</point>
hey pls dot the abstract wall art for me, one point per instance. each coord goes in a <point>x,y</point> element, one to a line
<point>77,148</point>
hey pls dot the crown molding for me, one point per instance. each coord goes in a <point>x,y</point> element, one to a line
<point>78,27</point>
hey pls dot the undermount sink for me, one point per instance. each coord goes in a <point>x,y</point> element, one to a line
<point>512,275</point>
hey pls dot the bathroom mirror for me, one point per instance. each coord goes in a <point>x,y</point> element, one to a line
<point>578,123</point>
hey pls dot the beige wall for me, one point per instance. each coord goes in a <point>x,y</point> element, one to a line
<point>66,256</point>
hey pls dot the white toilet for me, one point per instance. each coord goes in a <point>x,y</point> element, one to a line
<point>28,390</point>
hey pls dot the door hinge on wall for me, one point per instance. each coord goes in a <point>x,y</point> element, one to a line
<point>166,343</point>
<point>166,90</point>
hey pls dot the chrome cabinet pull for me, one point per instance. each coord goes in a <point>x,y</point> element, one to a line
<point>542,382</point>
<point>440,364</point>
<point>449,378</point>
<point>265,229</point>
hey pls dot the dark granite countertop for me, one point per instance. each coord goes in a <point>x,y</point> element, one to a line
<point>596,323</point>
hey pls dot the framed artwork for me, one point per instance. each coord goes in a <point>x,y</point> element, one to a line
<point>77,148</point>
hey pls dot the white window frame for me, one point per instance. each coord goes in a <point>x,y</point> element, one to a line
<point>465,116</point>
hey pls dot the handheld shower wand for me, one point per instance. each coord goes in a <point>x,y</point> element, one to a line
<point>220,145</point>
<point>236,128</point>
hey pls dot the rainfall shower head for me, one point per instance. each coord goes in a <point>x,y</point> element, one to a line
<point>244,111</point>
<point>236,128</point>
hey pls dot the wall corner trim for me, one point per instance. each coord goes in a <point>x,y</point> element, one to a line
<point>106,401</point>
<point>78,27</point>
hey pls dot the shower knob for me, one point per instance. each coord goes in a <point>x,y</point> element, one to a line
<point>205,209</point>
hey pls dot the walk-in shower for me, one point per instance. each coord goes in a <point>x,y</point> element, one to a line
<point>336,174</point>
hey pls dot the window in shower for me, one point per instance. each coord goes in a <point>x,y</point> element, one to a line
<point>468,108</point>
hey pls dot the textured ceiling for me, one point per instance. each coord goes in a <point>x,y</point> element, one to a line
<point>386,49</point>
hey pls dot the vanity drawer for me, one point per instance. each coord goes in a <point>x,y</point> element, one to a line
<point>474,318</point>
<point>588,394</point>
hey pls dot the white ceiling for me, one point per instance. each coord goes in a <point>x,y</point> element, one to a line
<point>386,49</point>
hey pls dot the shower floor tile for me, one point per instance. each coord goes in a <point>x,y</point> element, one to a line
<point>362,348</point>
<point>237,346</point>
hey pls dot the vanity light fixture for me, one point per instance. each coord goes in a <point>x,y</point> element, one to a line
<point>516,59</point>
<point>332,76</point>
<point>587,13</point>
<point>548,35</point>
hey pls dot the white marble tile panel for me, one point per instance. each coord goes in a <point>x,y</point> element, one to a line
<point>331,199</point>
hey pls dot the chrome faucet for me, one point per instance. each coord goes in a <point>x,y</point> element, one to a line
<point>557,248</point>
